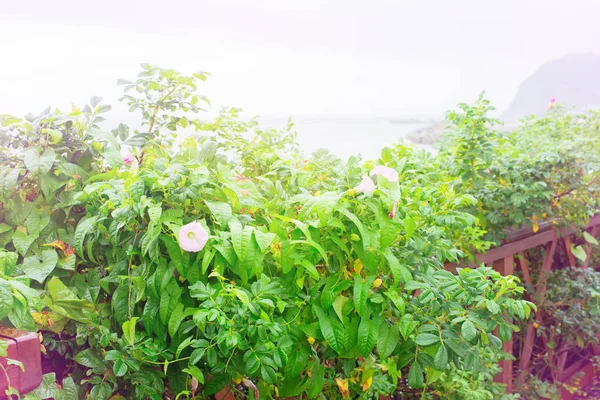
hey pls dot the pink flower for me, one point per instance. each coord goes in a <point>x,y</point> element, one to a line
<point>193,237</point>
<point>366,186</point>
<point>388,173</point>
<point>394,209</point>
<point>128,159</point>
<point>552,100</point>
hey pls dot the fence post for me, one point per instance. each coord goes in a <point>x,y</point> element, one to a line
<point>506,266</point>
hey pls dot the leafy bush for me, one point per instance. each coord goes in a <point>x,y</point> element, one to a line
<point>304,275</point>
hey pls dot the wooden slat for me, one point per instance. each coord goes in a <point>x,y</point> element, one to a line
<point>570,256</point>
<point>506,266</point>
<point>526,351</point>
<point>523,265</point>
<point>516,247</point>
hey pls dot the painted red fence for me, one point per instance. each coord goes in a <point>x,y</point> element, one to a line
<point>509,256</point>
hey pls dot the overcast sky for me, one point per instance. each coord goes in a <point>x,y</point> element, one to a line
<point>279,57</point>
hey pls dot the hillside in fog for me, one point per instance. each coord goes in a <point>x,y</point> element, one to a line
<point>573,80</point>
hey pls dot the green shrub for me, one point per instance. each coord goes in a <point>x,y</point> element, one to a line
<point>309,277</point>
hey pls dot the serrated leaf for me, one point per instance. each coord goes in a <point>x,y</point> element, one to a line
<point>492,306</point>
<point>120,368</point>
<point>89,358</point>
<point>333,336</point>
<point>505,333</point>
<point>197,355</point>
<point>387,340</point>
<point>84,227</point>
<point>441,358</point>
<point>468,330</point>
<point>407,325</point>
<point>426,339</point>
<point>367,336</point>
<point>317,380</point>
<point>409,227</point>
<point>6,300</point>
<point>361,294</point>
<point>129,330</point>
<point>268,374</point>
<point>175,320</point>
<point>399,272</point>
<point>415,376</point>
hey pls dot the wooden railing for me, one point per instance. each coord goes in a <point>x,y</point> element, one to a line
<point>509,255</point>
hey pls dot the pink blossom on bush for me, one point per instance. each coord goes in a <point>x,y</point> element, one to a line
<point>366,186</point>
<point>193,237</point>
<point>388,173</point>
<point>128,159</point>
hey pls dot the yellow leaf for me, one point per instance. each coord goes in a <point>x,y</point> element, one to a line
<point>377,282</point>
<point>367,384</point>
<point>358,266</point>
<point>535,227</point>
<point>342,385</point>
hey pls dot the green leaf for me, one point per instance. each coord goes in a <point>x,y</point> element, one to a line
<point>332,335</point>
<point>397,300</point>
<point>268,374</point>
<point>367,336</point>
<point>101,391</point>
<point>221,211</point>
<point>129,330</point>
<point>177,316</point>
<point>441,358</point>
<point>8,262</point>
<point>22,240</point>
<point>407,325</point>
<point>426,339</point>
<point>338,306</point>
<point>39,269</point>
<point>69,390</point>
<point>120,368</point>
<point>113,158</point>
<point>387,340</point>
<point>197,355</point>
<point>317,380</point>
<point>264,240</point>
<point>89,358</point>
<point>415,376</point>
<point>6,300</point>
<point>165,300</point>
<point>155,212</point>
<point>400,272</point>
<point>590,239</point>
<point>492,306</point>
<point>579,252</point>
<point>504,332</point>
<point>361,294</point>
<point>468,330</point>
<point>38,163</point>
<point>84,227</point>
<point>195,372</point>
<point>211,356</point>
<point>409,227</point>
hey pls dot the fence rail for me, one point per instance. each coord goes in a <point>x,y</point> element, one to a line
<point>509,255</point>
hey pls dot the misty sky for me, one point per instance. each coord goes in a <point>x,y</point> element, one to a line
<point>278,57</point>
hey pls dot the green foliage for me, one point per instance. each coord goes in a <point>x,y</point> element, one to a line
<point>301,275</point>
